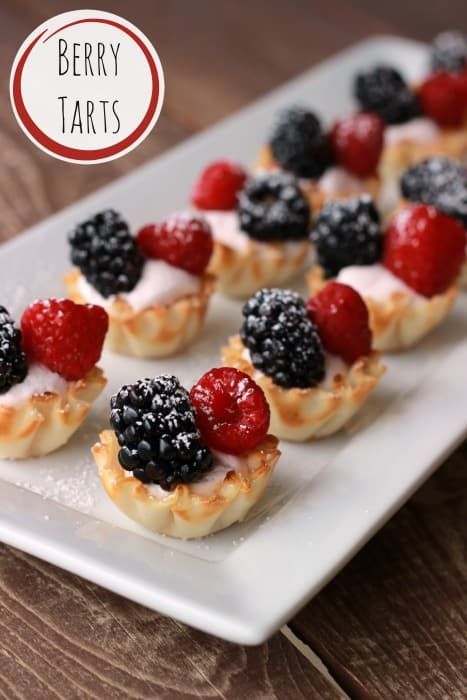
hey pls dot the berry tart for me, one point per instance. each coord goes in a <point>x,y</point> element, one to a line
<point>48,374</point>
<point>428,119</point>
<point>260,226</point>
<point>153,286</point>
<point>330,166</point>
<point>314,361</point>
<point>187,464</point>
<point>442,183</point>
<point>406,277</point>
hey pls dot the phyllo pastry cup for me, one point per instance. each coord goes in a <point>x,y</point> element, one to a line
<point>45,422</point>
<point>182,512</point>
<point>157,331</point>
<point>303,414</point>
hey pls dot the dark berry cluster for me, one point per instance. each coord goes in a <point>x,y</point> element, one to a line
<point>383,90</point>
<point>347,233</point>
<point>283,343</point>
<point>154,421</point>
<point>13,364</point>
<point>440,182</point>
<point>299,143</point>
<point>106,253</point>
<point>449,52</point>
<point>272,207</point>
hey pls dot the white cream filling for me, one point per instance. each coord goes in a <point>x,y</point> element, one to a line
<point>160,284</point>
<point>39,380</point>
<point>337,181</point>
<point>374,282</point>
<point>419,130</point>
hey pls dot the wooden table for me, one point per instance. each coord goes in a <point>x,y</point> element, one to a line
<point>393,623</point>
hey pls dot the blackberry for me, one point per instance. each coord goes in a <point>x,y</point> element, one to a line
<point>299,143</point>
<point>347,233</point>
<point>440,182</point>
<point>449,52</point>
<point>13,364</point>
<point>283,343</point>
<point>106,253</point>
<point>154,422</point>
<point>272,207</point>
<point>383,90</point>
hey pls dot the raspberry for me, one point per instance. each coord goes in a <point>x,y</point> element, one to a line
<point>347,233</point>
<point>383,90</point>
<point>299,143</point>
<point>160,443</point>
<point>64,336</point>
<point>281,340</point>
<point>182,240</point>
<point>357,142</point>
<point>272,207</point>
<point>218,186</point>
<point>231,410</point>
<point>341,317</point>
<point>424,248</point>
<point>443,98</point>
<point>13,365</point>
<point>449,52</point>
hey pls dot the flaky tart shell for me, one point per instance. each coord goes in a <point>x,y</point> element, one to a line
<point>241,273</point>
<point>158,331</point>
<point>316,196</point>
<point>400,321</point>
<point>45,422</point>
<point>182,513</point>
<point>304,414</point>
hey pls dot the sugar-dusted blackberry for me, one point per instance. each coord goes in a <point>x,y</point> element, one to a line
<point>155,425</point>
<point>347,233</point>
<point>282,341</point>
<point>106,253</point>
<point>13,364</point>
<point>438,181</point>
<point>272,207</point>
<point>299,143</point>
<point>383,90</point>
<point>449,52</point>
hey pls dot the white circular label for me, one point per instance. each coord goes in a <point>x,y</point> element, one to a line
<point>87,86</point>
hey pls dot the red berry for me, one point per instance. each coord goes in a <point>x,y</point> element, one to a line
<point>232,413</point>
<point>64,336</point>
<point>357,142</point>
<point>342,319</point>
<point>424,248</point>
<point>218,185</point>
<point>443,97</point>
<point>182,240</point>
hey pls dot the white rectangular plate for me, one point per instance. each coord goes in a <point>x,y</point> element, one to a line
<point>326,499</point>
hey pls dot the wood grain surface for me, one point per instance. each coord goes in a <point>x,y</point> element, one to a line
<point>393,623</point>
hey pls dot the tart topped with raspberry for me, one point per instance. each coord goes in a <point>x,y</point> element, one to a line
<point>314,360</point>
<point>406,275</point>
<point>154,285</point>
<point>260,226</point>
<point>187,464</point>
<point>48,374</point>
<point>330,165</point>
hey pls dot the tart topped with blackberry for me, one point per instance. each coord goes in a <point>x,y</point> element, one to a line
<point>48,374</point>
<point>330,165</point>
<point>154,286</point>
<point>260,226</point>
<point>187,464</point>
<point>314,360</point>
<point>406,275</point>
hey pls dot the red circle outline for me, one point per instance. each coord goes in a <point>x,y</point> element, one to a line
<point>80,153</point>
